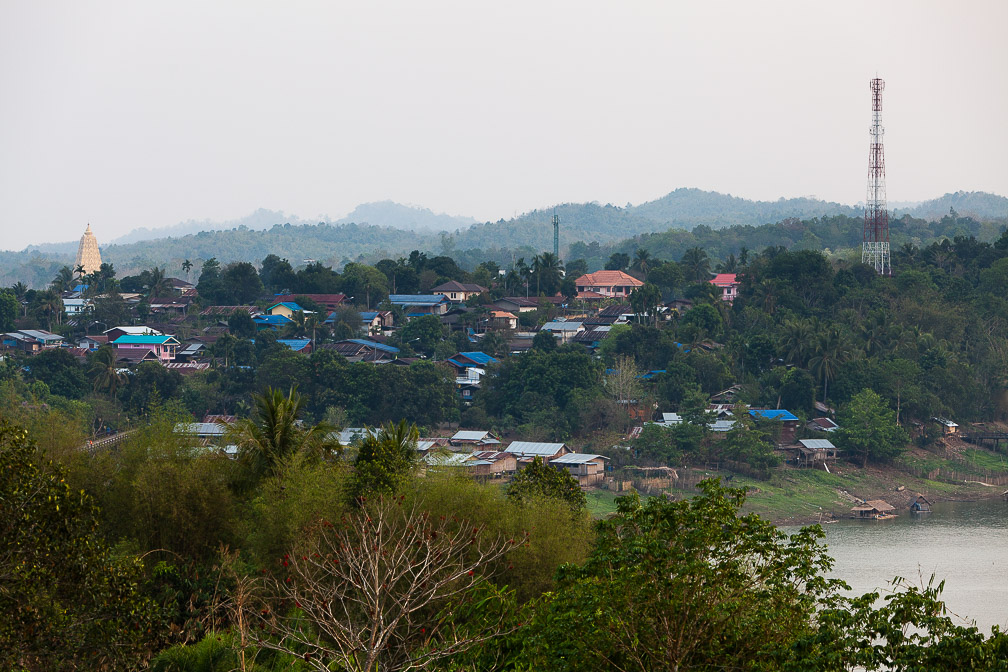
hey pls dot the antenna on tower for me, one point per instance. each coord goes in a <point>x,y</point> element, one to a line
<point>556,235</point>
<point>875,245</point>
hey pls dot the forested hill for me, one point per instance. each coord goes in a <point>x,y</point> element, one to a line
<point>686,208</point>
<point>976,204</point>
<point>587,230</point>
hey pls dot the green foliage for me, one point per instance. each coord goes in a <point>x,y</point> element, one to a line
<point>276,434</point>
<point>868,429</point>
<point>221,652</point>
<point>682,586</point>
<point>58,369</point>
<point>66,602</point>
<point>384,461</point>
<point>539,480</point>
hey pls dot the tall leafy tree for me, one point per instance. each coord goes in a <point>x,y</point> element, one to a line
<point>683,585</point>
<point>868,429</point>
<point>275,433</point>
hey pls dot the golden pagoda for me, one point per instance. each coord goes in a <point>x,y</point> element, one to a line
<point>88,255</point>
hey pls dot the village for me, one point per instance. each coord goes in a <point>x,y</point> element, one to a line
<point>171,326</point>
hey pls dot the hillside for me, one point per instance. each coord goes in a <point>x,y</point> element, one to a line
<point>667,226</point>
<point>686,208</point>
<point>977,204</point>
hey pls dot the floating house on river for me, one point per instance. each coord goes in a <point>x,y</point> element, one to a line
<point>873,509</point>
<point>920,505</point>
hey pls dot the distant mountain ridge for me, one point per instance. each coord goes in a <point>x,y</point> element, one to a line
<point>272,232</point>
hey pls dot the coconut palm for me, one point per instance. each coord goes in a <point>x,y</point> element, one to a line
<point>275,433</point>
<point>642,261</point>
<point>63,280</point>
<point>548,270</point>
<point>105,375</point>
<point>831,350</point>
<point>187,266</point>
<point>696,265</point>
<point>159,284</point>
<point>50,305</point>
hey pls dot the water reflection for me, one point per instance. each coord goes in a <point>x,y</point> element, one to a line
<point>963,543</point>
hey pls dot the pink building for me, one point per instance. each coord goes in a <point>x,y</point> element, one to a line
<point>163,347</point>
<point>728,283</point>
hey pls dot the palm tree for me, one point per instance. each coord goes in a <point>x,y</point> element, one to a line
<point>79,272</point>
<point>696,264</point>
<point>159,284</point>
<point>20,292</point>
<point>832,349</point>
<point>187,266</point>
<point>642,259</point>
<point>275,433</point>
<point>297,327</point>
<point>63,280</point>
<point>50,304</point>
<point>548,269</point>
<point>104,373</point>
<point>798,341</point>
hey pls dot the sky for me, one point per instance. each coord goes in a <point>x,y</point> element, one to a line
<point>130,114</point>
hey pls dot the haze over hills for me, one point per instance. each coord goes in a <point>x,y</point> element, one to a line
<point>385,228</point>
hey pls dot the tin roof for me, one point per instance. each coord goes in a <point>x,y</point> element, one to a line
<point>578,458</point>
<point>524,448</point>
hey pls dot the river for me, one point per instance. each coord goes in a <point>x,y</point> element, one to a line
<point>963,543</point>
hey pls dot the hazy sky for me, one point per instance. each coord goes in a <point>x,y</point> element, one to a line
<point>128,114</point>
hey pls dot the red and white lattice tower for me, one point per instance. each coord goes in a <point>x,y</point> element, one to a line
<point>875,248</point>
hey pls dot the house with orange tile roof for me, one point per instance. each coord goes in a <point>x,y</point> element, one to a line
<point>606,284</point>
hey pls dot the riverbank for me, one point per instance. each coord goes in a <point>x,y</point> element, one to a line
<point>802,496</point>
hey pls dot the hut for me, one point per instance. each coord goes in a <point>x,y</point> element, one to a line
<point>921,505</point>
<point>873,509</point>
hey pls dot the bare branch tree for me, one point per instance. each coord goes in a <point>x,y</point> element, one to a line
<point>383,589</point>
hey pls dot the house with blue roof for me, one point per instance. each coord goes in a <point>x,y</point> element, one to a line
<point>163,347</point>
<point>285,308</point>
<point>302,345</point>
<point>363,350</point>
<point>788,422</point>
<point>418,305</point>
<point>263,322</point>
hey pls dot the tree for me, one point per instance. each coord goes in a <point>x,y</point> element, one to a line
<point>240,324</point>
<point>642,262</point>
<point>9,311</point>
<point>422,333</point>
<point>67,604</point>
<point>539,479</point>
<point>548,270</point>
<point>831,349</point>
<point>388,587</point>
<point>58,369</point>
<point>618,261</point>
<point>384,460</point>
<point>696,265</point>
<point>187,266</point>
<point>645,301</point>
<point>240,284</point>
<point>683,585</point>
<point>275,434</point>
<point>622,382</point>
<point>544,341</point>
<point>868,429</point>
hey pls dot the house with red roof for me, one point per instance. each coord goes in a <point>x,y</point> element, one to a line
<point>728,283</point>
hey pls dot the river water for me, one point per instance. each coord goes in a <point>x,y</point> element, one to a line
<point>963,543</point>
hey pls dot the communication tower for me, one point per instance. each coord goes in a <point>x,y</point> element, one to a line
<point>556,235</point>
<point>875,248</point>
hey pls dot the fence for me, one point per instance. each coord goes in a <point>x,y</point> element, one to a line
<point>661,480</point>
<point>953,476</point>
